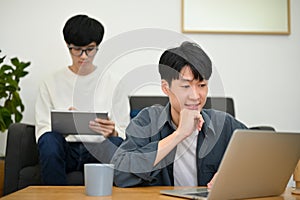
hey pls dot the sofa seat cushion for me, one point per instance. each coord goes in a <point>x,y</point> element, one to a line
<point>75,178</point>
<point>29,176</point>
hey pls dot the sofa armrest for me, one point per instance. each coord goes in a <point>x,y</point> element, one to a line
<point>21,151</point>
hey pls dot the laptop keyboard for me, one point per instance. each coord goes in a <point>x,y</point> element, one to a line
<point>199,194</point>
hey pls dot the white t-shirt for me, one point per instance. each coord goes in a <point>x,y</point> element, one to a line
<point>185,167</point>
<point>91,92</point>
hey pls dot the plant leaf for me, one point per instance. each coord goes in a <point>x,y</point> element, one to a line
<point>15,61</point>
<point>2,59</point>
<point>9,86</point>
<point>5,118</point>
<point>6,67</point>
<point>18,116</point>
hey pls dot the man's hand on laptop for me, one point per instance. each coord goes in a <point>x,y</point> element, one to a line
<point>104,126</point>
<point>210,184</point>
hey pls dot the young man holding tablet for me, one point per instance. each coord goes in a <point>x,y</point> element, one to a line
<point>73,88</point>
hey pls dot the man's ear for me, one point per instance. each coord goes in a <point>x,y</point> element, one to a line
<point>165,87</point>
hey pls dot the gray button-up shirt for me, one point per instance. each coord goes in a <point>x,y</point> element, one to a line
<point>135,157</point>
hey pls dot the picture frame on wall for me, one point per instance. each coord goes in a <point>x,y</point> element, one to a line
<point>236,16</point>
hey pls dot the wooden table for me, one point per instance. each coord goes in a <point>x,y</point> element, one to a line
<point>78,192</point>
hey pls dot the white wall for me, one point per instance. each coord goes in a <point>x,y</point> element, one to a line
<point>259,71</point>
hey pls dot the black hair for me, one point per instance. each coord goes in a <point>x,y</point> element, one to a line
<point>81,30</point>
<point>187,54</point>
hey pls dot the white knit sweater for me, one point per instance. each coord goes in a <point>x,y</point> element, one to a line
<point>92,92</point>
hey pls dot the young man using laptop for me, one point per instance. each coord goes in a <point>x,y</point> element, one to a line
<point>74,88</point>
<point>180,144</point>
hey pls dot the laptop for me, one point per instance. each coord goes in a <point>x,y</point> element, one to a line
<point>74,122</point>
<point>256,163</point>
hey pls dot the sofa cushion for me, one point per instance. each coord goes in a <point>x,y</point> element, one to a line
<point>75,178</point>
<point>29,176</point>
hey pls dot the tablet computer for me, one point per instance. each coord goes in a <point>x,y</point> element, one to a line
<point>74,122</point>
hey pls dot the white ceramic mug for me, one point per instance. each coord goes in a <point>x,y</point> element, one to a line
<point>98,179</point>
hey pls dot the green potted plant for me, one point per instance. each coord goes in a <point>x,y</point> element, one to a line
<point>11,106</point>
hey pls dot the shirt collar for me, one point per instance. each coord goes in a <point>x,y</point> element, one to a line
<point>165,116</point>
<point>208,125</point>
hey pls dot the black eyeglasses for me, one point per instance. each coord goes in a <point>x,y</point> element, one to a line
<point>78,51</point>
